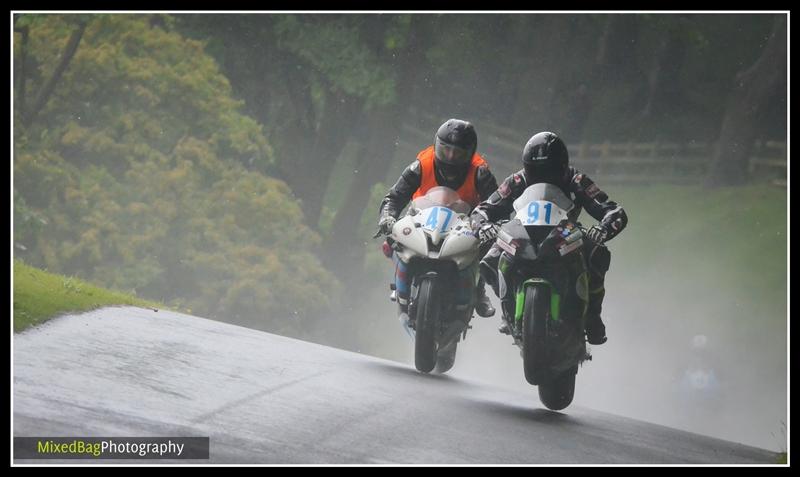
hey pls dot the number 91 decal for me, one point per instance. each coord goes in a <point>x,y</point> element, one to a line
<point>541,212</point>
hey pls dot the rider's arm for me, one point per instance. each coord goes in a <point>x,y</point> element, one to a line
<point>500,203</point>
<point>612,216</point>
<point>402,191</point>
<point>485,182</point>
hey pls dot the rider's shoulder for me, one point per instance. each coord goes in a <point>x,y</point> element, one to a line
<point>513,185</point>
<point>414,166</point>
<point>412,173</point>
<point>578,179</point>
<point>583,184</point>
<point>518,179</point>
<point>483,170</point>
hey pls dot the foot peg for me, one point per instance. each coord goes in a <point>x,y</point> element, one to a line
<point>405,321</point>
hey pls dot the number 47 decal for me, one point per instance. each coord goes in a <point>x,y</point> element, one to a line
<point>433,218</point>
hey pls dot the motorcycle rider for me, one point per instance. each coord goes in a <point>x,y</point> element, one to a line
<point>545,159</point>
<point>452,161</point>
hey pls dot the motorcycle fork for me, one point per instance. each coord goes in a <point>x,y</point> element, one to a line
<point>555,300</point>
<point>508,272</point>
<point>446,294</point>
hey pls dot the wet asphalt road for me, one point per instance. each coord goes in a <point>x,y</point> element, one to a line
<point>263,398</point>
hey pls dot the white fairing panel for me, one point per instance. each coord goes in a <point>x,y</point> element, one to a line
<point>460,245</point>
<point>437,227</point>
<point>444,227</point>
<point>411,237</point>
<point>540,212</point>
<point>544,191</point>
<point>542,204</point>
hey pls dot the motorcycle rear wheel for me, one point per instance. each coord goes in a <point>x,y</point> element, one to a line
<point>557,393</point>
<point>446,359</point>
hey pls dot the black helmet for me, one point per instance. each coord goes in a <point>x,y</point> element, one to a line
<point>545,158</point>
<point>454,145</point>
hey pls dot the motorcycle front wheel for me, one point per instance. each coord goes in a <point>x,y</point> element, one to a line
<point>427,325</point>
<point>555,392</point>
<point>534,325</point>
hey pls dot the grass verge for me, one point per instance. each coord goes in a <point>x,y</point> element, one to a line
<point>39,296</point>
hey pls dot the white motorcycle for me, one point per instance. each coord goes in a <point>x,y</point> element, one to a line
<point>437,245</point>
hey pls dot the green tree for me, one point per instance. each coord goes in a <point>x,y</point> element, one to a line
<point>749,99</point>
<point>307,78</point>
<point>140,171</point>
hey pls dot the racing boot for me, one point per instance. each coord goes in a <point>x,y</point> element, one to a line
<point>483,307</point>
<point>508,316</point>
<point>595,329</point>
<point>405,321</point>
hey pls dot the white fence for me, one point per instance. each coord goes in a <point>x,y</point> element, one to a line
<point>630,162</point>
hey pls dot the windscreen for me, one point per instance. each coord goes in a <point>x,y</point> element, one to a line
<point>442,197</point>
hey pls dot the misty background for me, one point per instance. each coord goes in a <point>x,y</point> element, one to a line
<point>232,165</point>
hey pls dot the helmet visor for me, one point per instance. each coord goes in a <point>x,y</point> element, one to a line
<point>546,172</point>
<point>450,154</point>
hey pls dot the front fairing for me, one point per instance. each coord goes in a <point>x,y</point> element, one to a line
<point>553,254</point>
<point>543,192</point>
<point>437,233</point>
<point>409,234</point>
<point>514,239</point>
<point>541,228</point>
<point>539,243</point>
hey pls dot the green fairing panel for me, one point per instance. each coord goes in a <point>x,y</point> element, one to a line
<point>555,298</point>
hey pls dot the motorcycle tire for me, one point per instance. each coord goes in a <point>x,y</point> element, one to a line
<point>427,325</point>
<point>557,393</point>
<point>534,338</point>
<point>446,359</point>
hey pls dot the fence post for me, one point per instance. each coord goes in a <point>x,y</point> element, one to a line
<point>680,155</point>
<point>582,154</point>
<point>605,150</point>
<point>654,151</point>
<point>755,153</point>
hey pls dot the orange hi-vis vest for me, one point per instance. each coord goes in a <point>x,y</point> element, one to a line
<point>467,191</point>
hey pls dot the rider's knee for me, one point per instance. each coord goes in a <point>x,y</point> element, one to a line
<point>488,272</point>
<point>488,265</point>
<point>599,260</point>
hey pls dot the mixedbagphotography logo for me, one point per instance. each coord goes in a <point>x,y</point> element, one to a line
<point>111,447</point>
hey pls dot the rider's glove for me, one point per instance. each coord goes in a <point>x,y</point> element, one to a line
<point>487,233</point>
<point>386,223</point>
<point>597,234</point>
<point>476,226</point>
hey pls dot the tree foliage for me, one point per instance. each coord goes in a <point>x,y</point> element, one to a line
<point>336,51</point>
<point>190,157</point>
<point>141,172</point>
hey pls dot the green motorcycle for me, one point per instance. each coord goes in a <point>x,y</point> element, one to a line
<point>542,264</point>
